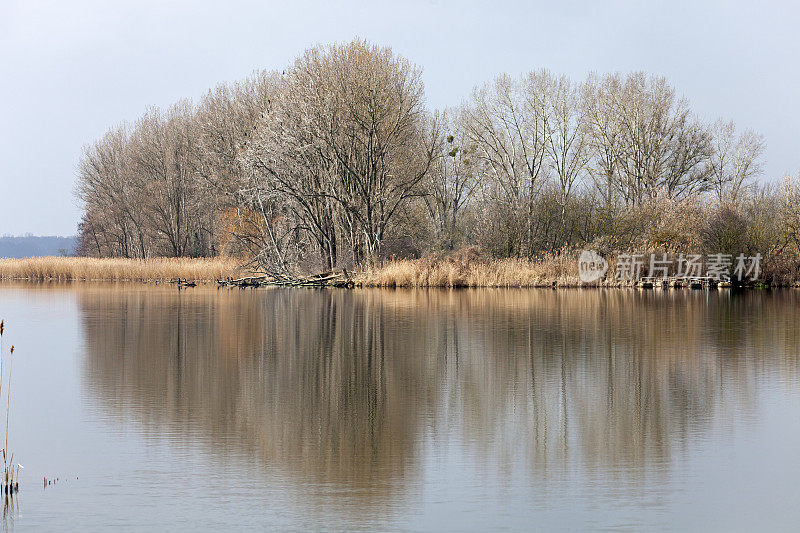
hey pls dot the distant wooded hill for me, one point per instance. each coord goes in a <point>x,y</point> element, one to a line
<point>32,246</point>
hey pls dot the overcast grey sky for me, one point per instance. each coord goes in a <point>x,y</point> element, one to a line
<point>69,70</point>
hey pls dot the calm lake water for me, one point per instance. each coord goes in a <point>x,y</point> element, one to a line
<point>399,409</point>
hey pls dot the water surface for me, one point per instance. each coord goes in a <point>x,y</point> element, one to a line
<point>401,409</point>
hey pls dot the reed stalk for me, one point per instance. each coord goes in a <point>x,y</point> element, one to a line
<point>10,473</point>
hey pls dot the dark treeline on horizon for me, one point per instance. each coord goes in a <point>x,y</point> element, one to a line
<point>337,162</point>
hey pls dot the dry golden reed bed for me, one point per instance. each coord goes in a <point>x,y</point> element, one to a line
<point>455,271</point>
<point>551,271</point>
<point>116,269</point>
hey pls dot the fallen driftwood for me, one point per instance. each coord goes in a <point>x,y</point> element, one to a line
<point>250,281</point>
<point>326,279</point>
<point>183,283</point>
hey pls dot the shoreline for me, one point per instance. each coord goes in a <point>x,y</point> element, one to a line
<point>551,273</point>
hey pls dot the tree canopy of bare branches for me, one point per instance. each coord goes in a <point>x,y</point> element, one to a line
<point>336,161</point>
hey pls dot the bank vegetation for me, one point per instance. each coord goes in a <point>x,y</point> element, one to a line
<point>336,162</point>
<point>158,269</point>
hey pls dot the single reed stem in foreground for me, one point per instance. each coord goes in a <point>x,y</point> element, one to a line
<point>10,474</point>
<point>8,401</point>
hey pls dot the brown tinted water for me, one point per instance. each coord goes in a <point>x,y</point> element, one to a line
<point>404,409</point>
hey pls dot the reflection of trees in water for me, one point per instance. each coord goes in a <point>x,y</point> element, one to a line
<point>611,379</point>
<point>310,381</point>
<point>342,386</point>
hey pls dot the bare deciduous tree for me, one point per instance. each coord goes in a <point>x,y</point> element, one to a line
<point>350,127</point>
<point>664,150</point>
<point>735,160</point>
<point>506,122</point>
<point>452,182</point>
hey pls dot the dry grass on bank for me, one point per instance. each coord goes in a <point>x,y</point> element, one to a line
<point>459,271</point>
<point>116,269</point>
<point>464,268</point>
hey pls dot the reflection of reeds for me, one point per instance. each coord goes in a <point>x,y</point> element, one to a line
<point>10,474</point>
<point>116,269</point>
